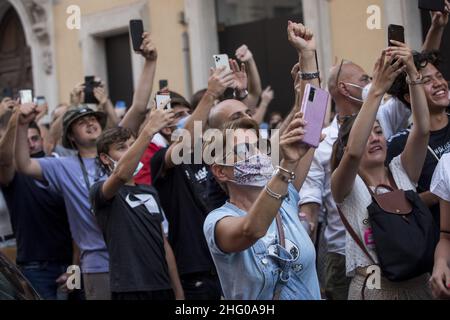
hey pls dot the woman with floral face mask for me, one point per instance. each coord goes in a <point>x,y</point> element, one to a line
<point>259,247</point>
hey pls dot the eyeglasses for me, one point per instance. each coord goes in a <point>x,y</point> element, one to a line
<point>366,78</point>
<point>339,72</point>
<point>244,151</point>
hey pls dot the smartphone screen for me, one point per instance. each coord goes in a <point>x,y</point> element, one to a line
<point>221,60</point>
<point>26,96</point>
<point>136,31</point>
<point>397,33</point>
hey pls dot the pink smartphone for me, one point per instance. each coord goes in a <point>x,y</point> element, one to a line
<point>314,108</point>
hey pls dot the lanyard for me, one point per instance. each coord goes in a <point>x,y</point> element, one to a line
<point>85,173</point>
<point>433,153</point>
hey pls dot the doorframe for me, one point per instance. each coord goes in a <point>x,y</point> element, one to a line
<point>43,62</point>
<point>112,22</point>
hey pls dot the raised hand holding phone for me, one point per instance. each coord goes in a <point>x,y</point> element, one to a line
<point>314,108</point>
<point>148,48</point>
<point>28,113</point>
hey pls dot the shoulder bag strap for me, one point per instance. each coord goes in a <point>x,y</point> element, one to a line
<point>354,236</point>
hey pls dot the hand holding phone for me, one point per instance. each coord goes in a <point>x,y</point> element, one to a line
<point>136,32</point>
<point>314,108</point>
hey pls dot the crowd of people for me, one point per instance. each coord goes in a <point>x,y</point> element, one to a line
<point>103,191</point>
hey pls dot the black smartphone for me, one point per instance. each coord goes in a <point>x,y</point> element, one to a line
<point>163,84</point>
<point>397,33</point>
<point>432,5</point>
<point>136,31</point>
<point>89,85</point>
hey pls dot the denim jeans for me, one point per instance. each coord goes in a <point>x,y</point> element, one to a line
<point>42,276</point>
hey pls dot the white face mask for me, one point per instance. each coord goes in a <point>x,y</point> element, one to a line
<point>365,92</point>
<point>114,164</point>
<point>355,86</point>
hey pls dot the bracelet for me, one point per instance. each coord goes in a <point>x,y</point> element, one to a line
<point>240,97</point>
<point>419,80</point>
<point>309,75</point>
<point>281,172</point>
<point>274,194</point>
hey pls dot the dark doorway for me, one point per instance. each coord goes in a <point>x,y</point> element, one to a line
<point>267,39</point>
<point>445,44</point>
<point>120,74</point>
<point>15,56</point>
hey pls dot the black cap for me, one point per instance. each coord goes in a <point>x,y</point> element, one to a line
<point>74,114</point>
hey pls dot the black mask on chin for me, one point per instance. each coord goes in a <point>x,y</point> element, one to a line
<point>39,154</point>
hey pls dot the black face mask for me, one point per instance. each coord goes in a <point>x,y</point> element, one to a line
<point>40,154</point>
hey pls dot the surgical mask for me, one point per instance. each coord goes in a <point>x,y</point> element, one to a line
<point>256,171</point>
<point>365,92</point>
<point>182,122</point>
<point>355,86</point>
<point>114,165</point>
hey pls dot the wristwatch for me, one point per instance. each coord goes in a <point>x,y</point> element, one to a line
<point>309,75</point>
<point>242,94</point>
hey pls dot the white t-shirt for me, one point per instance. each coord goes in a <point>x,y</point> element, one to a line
<point>440,184</point>
<point>354,208</point>
<point>393,116</point>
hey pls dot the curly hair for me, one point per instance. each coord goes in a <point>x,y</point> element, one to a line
<point>421,59</point>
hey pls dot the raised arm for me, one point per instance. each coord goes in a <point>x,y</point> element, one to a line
<point>254,80</point>
<point>219,80</point>
<point>415,152</point>
<point>56,130</point>
<point>266,98</point>
<point>7,168</point>
<point>343,177</point>
<point>235,234</point>
<point>124,170</point>
<point>24,163</point>
<point>105,105</point>
<point>439,21</point>
<point>136,115</point>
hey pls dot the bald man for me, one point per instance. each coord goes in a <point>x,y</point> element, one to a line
<point>227,110</point>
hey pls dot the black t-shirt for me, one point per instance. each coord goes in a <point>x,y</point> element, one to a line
<point>39,221</point>
<point>131,226</point>
<point>439,142</point>
<point>184,198</point>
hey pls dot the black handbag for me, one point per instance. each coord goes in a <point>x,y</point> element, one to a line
<point>404,233</point>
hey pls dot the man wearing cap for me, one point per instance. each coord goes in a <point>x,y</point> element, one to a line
<point>73,176</point>
<point>38,216</point>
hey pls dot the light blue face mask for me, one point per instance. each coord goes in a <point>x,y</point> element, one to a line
<point>136,171</point>
<point>182,122</point>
